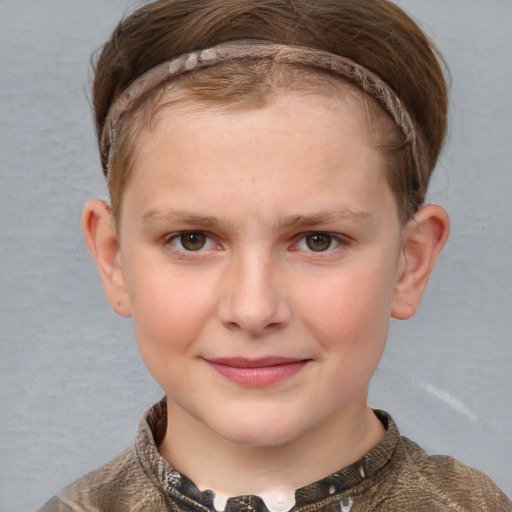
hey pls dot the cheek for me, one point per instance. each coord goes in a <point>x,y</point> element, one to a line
<point>169,312</point>
<point>168,321</point>
<point>353,308</point>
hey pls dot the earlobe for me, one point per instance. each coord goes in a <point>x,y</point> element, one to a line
<point>424,238</point>
<point>103,244</point>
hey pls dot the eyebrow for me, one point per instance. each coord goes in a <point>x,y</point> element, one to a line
<point>327,217</point>
<point>292,221</point>
<point>154,216</point>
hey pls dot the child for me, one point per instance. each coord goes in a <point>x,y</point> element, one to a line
<point>267,163</point>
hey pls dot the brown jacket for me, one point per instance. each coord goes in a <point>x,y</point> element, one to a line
<point>395,476</point>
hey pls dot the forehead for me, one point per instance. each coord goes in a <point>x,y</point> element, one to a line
<point>297,148</point>
<point>322,93</point>
<point>325,119</point>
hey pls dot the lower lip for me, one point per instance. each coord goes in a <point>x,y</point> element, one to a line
<point>260,376</point>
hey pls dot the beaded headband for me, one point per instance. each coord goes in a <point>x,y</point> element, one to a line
<point>366,80</point>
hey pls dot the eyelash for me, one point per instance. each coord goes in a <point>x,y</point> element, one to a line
<point>209,243</point>
<point>333,239</point>
<point>179,238</point>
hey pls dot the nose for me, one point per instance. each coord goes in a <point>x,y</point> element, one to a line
<point>254,298</point>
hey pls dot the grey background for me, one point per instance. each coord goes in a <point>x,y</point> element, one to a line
<point>72,385</point>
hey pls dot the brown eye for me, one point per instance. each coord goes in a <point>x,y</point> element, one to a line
<point>318,242</point>
<point>193,241</point>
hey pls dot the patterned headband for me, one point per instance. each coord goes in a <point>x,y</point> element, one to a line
<point>369,82</point>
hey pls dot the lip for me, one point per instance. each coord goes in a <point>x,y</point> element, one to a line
<point>257,373</point>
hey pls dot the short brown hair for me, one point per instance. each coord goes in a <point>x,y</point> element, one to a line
<point>375,34</point>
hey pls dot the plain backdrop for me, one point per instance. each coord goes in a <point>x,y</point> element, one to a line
<point>72,385</point>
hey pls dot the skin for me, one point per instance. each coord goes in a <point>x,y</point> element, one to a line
<point>298,262</point>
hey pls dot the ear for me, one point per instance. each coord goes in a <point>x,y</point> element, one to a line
<point>103,243</point>
<point>424,237</point>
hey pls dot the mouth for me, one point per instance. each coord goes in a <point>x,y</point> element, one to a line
<point>256,373</point>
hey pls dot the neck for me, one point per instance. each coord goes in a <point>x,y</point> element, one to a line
<point>271,472</point>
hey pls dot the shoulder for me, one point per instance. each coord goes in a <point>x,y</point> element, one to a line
<point>119,485</point>
<point>438,483</point>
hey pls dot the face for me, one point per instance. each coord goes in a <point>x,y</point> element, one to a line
<point>261,249</point>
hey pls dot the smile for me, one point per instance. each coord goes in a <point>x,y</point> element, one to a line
<point>257,373</point>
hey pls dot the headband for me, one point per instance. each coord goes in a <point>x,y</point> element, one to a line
<point>366,80</point>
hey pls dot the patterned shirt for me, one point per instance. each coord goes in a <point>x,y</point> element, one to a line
<point>395,476</point>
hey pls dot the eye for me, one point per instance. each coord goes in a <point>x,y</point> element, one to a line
<point>318,242</point>
<point>191,241</point>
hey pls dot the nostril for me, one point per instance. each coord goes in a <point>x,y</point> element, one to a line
<point>232,326</point>
<point>253,328</point>
<point>274,326</point>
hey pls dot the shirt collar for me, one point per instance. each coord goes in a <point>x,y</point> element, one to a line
<point>175,485</point>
